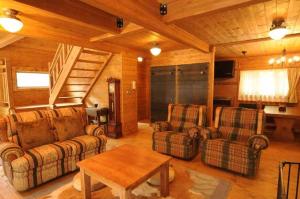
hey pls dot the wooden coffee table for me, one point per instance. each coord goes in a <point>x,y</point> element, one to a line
<point>123,169</point>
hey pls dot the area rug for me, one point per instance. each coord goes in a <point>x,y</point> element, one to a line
<point>202,187</point>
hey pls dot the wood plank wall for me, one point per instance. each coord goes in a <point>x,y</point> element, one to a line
<point>129,95</point>
<point>29,55</point>
<point>228,88</point>
<point>143,91</point>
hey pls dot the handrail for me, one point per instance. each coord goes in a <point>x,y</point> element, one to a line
<point>56,66</point>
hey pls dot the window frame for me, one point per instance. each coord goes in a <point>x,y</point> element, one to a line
<point>29,88</point>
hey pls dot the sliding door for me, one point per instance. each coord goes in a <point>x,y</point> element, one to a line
<point>192,84</point>
<point>162,91</point>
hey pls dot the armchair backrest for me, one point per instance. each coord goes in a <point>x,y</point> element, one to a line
<point>238,124</point>
<point>181,116</point>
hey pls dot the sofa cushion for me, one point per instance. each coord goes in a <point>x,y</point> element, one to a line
<point>173,137</point>
<point>13,119</point>
<point>235,134</point>
<point>34,134</point>
<point>42,155</point>
<point>68,127</point>
<point>70,111</point>
<point>84,143</point>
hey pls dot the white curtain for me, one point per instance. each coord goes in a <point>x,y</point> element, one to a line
<point>264,85</point>
<point>294,76</point>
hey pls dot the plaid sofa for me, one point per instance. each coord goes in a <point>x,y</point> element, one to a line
<point>28,169</point>
<point>179,136</point>
<point>235,143</point>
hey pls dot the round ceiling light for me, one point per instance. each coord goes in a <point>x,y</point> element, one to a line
<point>155,50</point>
<point>10,22</point>
<point>278,30</point>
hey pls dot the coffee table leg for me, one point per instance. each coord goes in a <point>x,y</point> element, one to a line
<point>125,194</point>
<point>164,180</point>
<point>85,185</point>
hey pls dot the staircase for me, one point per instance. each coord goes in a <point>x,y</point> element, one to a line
<point>73,73</point>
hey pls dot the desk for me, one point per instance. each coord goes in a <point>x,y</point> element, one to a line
<point>284,121</point>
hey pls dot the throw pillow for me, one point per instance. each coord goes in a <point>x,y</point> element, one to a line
<point>68,127</point>
<point>34,134</point>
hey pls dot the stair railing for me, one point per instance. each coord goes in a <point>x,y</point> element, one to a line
<point>282,192</point>
<point>56,66</point>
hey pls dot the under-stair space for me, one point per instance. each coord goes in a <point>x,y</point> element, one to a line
<point>73,73</point>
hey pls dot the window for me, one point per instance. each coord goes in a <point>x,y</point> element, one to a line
<point>32,80</point>
<point>264,85</point>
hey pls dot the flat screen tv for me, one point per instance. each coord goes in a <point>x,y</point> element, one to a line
<point>224,69</point>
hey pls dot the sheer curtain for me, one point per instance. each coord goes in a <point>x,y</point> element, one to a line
<point>264,85</point>
<point>294,76</point>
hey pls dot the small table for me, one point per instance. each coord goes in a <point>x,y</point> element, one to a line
<point>124,168</point>
<point>284,121</point>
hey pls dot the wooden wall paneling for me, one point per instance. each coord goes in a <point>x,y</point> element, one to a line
<point>210,98</point>
<point>142,89</point>
<point>129,96</point>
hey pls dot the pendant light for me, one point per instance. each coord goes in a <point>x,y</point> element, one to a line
<point>278,29</point>
<point>9,21</point>
<point>155,50</point>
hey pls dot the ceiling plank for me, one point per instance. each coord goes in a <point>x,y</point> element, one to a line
<point>9,39</point>
<point>180,9</point>
<point>254,40</point>
<point>75,12</point>
<point>130,28</point>
<point>146,13</point>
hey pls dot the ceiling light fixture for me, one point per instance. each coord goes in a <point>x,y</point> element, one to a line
<point>155,50</point>
<point>9,21</point>
<point>278,30</point>
<point>284,59</point>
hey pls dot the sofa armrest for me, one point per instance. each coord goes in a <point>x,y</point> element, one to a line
<point>208,133</point>
<point>10,151</point>
<point>161,126</point>
<point>94,130</point>
<point>258,142</point>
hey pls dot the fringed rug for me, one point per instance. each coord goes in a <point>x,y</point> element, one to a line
<point>202,186</point>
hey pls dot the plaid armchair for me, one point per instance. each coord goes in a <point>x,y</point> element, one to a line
<point>235,143</point>
<point>180,135</point>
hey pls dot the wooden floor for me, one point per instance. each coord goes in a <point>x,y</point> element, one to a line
<point>263,186</point>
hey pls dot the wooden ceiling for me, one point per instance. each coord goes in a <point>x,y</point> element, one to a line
<point>230,25</point>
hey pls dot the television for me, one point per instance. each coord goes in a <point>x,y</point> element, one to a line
<point>224,69</point>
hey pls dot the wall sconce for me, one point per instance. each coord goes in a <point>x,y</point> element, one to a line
<point>140,59</point>
<point>133,85</point>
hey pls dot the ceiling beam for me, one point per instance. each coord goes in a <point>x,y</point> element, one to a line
<point>254,40</point>
<point>180,9</point>
<point>146,13</point>
<point>130,28</point>
<point>71,11</point>
<point>9,39</point>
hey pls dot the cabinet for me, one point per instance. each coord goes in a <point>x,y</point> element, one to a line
<point>183,84</point>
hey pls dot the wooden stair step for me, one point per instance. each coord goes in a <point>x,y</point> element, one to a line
<point>77,84</point>
<point>81,77</point>
<point>69,97</point>
<point>89,61</point>
<point>74,91</point>
<point>85,69</point>
<point>93,52</point>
